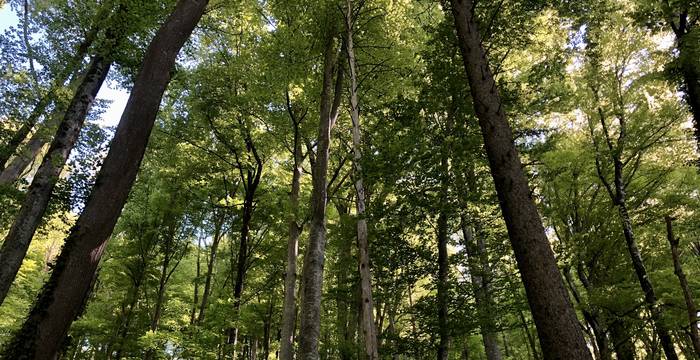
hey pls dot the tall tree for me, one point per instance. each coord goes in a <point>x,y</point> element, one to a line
<point>314,258</point>
<point>555,318</point>
<point>60,301</point>
<point>369,332</point>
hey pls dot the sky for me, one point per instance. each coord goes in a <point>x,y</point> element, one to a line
<point>116,95</point>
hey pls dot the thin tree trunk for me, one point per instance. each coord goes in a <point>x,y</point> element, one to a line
<point>601,348</point>
<point>17,241</point>
<point>314,259</point>
<point>13,170</point>
<point>65,293</point>
<point>621,341</point>
<point>528,335</point>
<point>73,67</point>
<point>687,294</point>
<point>555,318</point>
<point>344,294</point>
<point>443,268</point>
<point>210,268</point>
<point>195,301</point>
<point>369,332</point>
<point>289,306</point>
<point>480,272</point>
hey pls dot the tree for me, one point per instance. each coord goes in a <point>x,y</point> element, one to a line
<point>554,316</point>
<point>61,299</point>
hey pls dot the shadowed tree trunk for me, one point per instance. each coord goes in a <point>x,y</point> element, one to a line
<point>73,67</point>
<point>369,332</point>
<point>289,312</point>
<point>17,241</point>
<point>312,272</point>
<point>216,239</point>
<point>480,272</point>
<point>555,318</point>
<point>64,294</point>
<point>687,294</point>
<point>683,27</point>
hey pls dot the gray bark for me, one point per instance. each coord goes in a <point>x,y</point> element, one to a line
<point>314,259</point>
<point>369,332</point>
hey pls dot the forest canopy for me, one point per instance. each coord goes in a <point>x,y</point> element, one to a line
<point>350,179</point>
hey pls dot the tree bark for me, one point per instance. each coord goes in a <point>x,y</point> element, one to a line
<point>210,267</point>
<point>555,318</point>
<point>289,310</point>
<point>480,272</point>
<point>687,294</point>
<point>314,259</point>
<point>73,67</point>
<point>63,296</point>
<point>443,266</point>
<point>17,241</point>
<point>369,331</point>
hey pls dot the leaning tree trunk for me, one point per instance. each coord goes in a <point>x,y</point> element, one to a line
<point>555,318</point>
<point>369,332</point>
<point>20,135</point>
<point>314,259</point>
<point>65,293</point>
<point>687,294</point>
<point>16,243</point>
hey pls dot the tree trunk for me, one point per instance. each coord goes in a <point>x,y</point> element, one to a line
<point>17,241</point>
<point>369,331</point>
<point>210,267</point>
<point>198,273</point>
<point>528,335</point>
<point>312,272</point>
<point>555,318</point>
<point>687,294</point>
<point>289,312</point>
<point>13,170</point>
<point>480,272</point>
<point>602,348</point>
<point>65,293</point>
<point>443,267</point>
<point>20,135</point>
<point>621,341</point>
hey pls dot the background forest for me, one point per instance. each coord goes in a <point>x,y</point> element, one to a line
<point>351,179</point>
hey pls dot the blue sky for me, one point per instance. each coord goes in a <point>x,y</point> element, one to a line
<point>108,91</point>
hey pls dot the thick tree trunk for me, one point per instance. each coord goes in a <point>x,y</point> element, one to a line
<point>687,294</point>
<point>65,293</point>
<point>555,318</point>
<point>289,310</point>
<point>210,267</point>
<point>314,259</point>
<point>242,259</point>
<point>480,271</point>
<point>16,243</point>
<point>369,332</point>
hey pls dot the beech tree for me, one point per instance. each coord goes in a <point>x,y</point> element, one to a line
<point>348,179</point>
